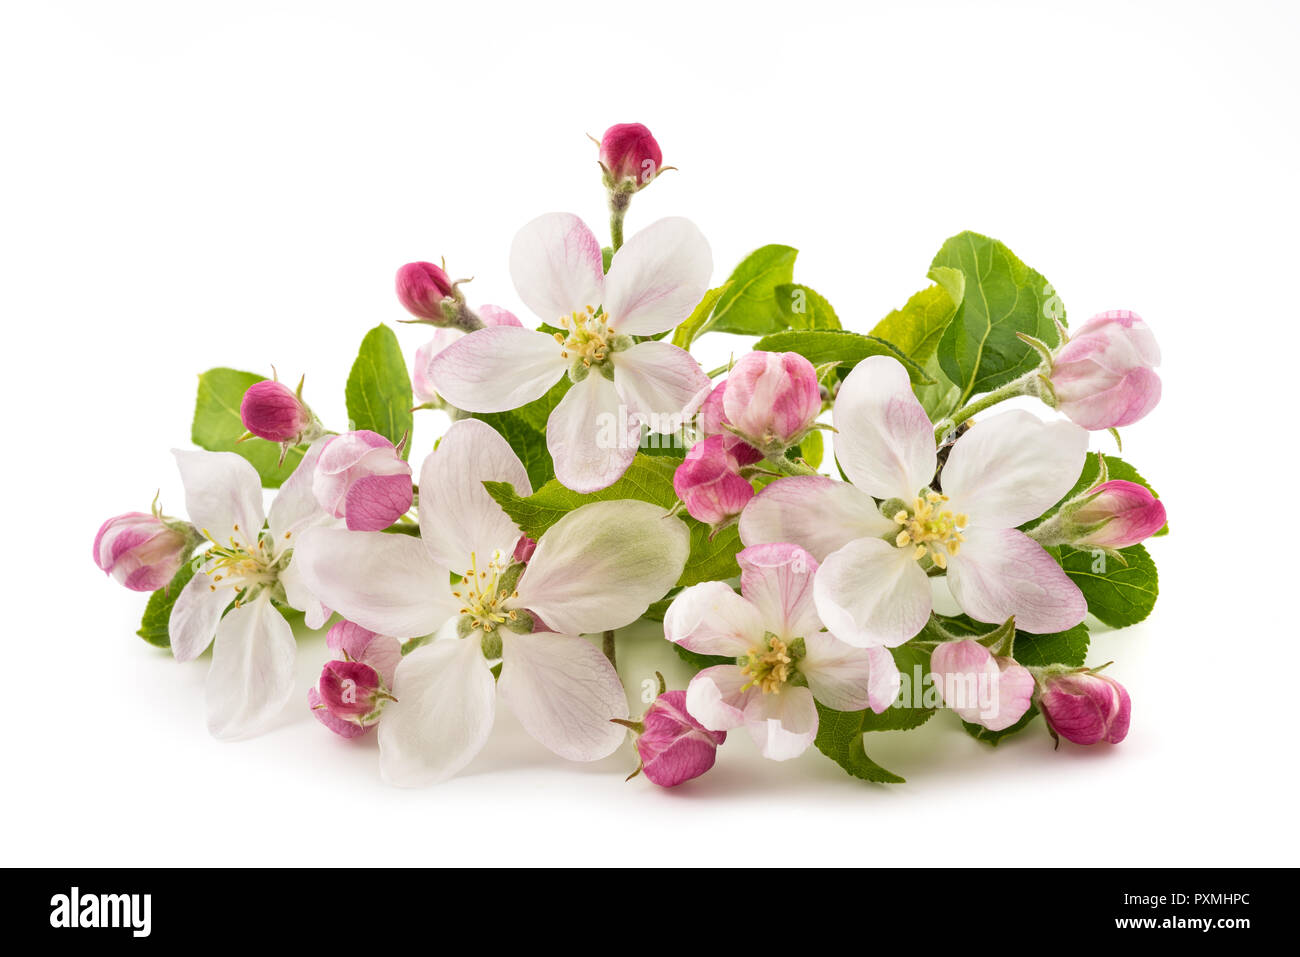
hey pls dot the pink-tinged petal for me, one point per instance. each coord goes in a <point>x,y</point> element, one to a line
<point>870,593</point>
<point>223,495</point>
<point>387,583</point>
<point>708,483</point>
<point>251,679</point>
<point>296,508</point>
<point>885,441</point>
<point>717,697</point>
<point>886,681</point>
<point>377,501</point>
<point>658,277</point>
<point>349,640</point>
<point>711,619</point>
<point>661,383</point>
<point>591,435</point>
<point>458,518</point>
<point>564,692</point>
<point>1012,467</point>
<point>815,512</point>
<point>195,616</point>
<point>778,579</point>
<point>344,729</point>
<point>992,692</point>
<point>497,368</point>
<point>1002,572</point>
<point>1130,398</point>
<point>839,675</point>
<point>298,595</point>
<point>497,316</point>
<point>421,375</point>
<point>555,263</point>
<point>383,654</point>
<point>446,703</point>
<point>782,724</point>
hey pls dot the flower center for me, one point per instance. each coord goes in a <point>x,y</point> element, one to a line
<point>240,566</point>
<point>930,529</point>
<point>587,337</point>
<point>770,666</point>
<point>481,595</point>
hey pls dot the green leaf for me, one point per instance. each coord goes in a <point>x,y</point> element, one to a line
<point>379,388</point>
<point>811,448</point>
<point>980,349</point>
<point>847,348</point>
<point>1057,648</point>
<point>839,737</point>
<point>526,441</point>
<point>694,324</point>
<point>939,398</point>
<point>710,560</point>
<point>748,306</point>
<point>802,307</point>
<point>698,661</point>
<point>218,428</point>
<point>1118,595</point>
<point>158,610</point>
<point>994,738</point>
<point>917,328</point>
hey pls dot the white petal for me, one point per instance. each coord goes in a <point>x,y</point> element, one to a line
<point>885,680</point>
<point>296,507</point>
<point>223,495</point>
<point>870,593</point>
<point>564,692</point>
<point>660,382</point>
<point>1002,572</point>
<point>602,565</point>
<point>251,679</point>
<point>658,277</point>
<point>386,583</point>
<point>446,702</point>
<point>1012,467</point>
<point>299,596</point>
<point>885,442</point>
<point>814,512</point>
<point>711,619</point>
<point>497,368</point>
<point>778,579</point>
<point>717,697</point>
<point>847,678</point>
<point>457,516</point>
<point>782,724</point>
<point>195,616</point>
<point>555,263</point>
<point>591,435</point>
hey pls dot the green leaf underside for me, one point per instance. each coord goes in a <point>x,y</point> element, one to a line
<point>846,348</point>
<point>379,389</point>
<point>748,306</point>
<point>217,426</point>
<point>919,325</point>
<point>803,307</point>
<point>158,610</point>
<point>994,738</point>
<point>839,737</point>
<point>1118,595</point>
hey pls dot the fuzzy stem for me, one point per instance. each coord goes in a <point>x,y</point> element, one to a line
<point>1022,386</point>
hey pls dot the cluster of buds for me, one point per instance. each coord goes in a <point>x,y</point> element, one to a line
<point>672,746</point>
<point>271,410</point>
<point>362,478</point>
<point>432,297</point>
<point>355,686</point>
<point>144,550</point>
<point>1111,515</point>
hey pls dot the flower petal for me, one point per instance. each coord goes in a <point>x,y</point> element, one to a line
<point>815,512</point>
<point>251,679</point>
<point>458,518</point>
<point>658,277</point>
<point>1012,467</point>
<point>885,680</point>
<point>661,383</point>
<point>555,263</point>
<point>223,495</point>
<point>870,593</point>
<point>782,724</point>
<point>778,579</point>
<point>446,702</point>
<point>885,442</point>
<point>497,368</point>
<point>717,697</point>
<point>601,566</point>
<point>299,596</point>
<point>711,619</point>
<point>564,692</point>
<point>847,678</point>
<point>590,435</point>
<point>992,692</point>
<point>387,583</point>
<point>1002,572</point>
<point>195,616</point>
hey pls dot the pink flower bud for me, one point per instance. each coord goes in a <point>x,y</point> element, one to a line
<point>141,551</point>
<point>1103,376</point>
<point>349,689</point>
<point>354,688</point>
<point>1086,708</point>
<point>712,415</point>
<point>674,747</point>
<point>1131,513</point>
<point>629,151</point>
<point>773,397</point>
<point>361,477</point>
<point>708,483</point>
<point>421,288</point>
<point>983,689</point>
<point>272,411</point>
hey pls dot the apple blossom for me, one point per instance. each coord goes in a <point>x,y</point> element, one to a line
<point>772,398</point>
<point>599,567</point>
<point>1085,707</point>
<point>361,477</point>
<point>628,151</point>
<point>873,588</point>
<point>1102,376</point>
<point>143,551</point>
<point>708,480</point>
<point>785,661</point>
<point>653,284</point>
<point>354,687</point>
<point>271,410</point>
<point>984,689</point>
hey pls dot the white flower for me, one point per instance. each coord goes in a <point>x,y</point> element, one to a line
<point>251,677</point>
<point>654,282</point>
<point>599,567</point>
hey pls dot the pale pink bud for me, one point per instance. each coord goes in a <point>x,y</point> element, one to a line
<point>1103,376</point>
<point>421,380</point>
<point>1086,708</point>
<point>361,477</point>
<point>990,691</point>
<point>673,746</point>
<point>1131,513</point>
<point>629,151</point>
<point>421,288</point>
<point>272,411</point>
<point>141,551</point>
<point>708,483</point>
<point>773,397</point>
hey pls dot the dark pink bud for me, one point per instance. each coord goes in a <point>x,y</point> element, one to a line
<point>1086,708</point>
<point>524,548</point>
<point>350,690</point>
<point>1131,513</point>
<point>421,288</point>
<point>272,411</point>
<point>141,551</point>
<point>708,482</point>
<point>674,747</point>
<point>629,151</point>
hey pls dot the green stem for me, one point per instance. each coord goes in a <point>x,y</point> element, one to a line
<point>790,466</point>
<point>607,646</point>
<point>619,201</point>
<point>1022,386</point>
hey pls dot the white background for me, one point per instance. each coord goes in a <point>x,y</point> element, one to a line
<point>189,185</point>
